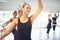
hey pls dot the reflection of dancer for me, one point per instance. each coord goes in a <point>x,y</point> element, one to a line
<point>54,21</point>
<point>49,25</point>
<point>54,36</point>
<point>24,22</point>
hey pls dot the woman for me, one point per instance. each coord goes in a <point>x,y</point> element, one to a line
<point>24,22</point>
<point>54,21</point>
<point>19,13</point>
<point>9,21</point>
<point>49,25</point>
<point>16,31</point>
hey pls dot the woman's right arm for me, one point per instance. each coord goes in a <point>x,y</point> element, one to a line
<point>12,26</point>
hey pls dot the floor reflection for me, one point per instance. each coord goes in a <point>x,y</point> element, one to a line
<point>40,34</point>
<point>52,35</point>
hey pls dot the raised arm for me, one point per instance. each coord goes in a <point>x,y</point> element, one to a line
<point>37,12</point>
<point>57,15</point>
<point>12,26</point>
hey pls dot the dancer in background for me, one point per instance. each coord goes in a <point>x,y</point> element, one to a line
<point>55,21</point>
<point>14,16</point>
<point>6,23</point>
<point>16,31</point>
<point>19,13</point>
<point>49,25</point>
<point>24,22</point>
<point>9,21</point>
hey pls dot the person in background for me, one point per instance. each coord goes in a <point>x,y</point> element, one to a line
<point>9,21</point>
<point>55,21</point>
<point>19,15</point>
<point>49,24</point>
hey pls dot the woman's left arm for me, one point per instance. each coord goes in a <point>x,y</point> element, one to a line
<point>37,12</point>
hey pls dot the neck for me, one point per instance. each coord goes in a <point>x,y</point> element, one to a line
<point>48,17</point>
<point>24,16</point>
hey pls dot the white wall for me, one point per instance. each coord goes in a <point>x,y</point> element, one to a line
<point>49,5</point>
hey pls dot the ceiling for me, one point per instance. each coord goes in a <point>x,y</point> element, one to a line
<point>11,5</point>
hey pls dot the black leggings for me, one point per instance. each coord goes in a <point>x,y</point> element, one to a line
<point>54,26</point>
<point>48,29</point>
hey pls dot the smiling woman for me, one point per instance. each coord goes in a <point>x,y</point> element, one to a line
<point>24,22</point>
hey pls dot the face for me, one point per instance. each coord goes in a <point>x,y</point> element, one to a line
<point>26,9</point>
<point>49,15</point>
<point>15,14</point>
<point>54,15</point>
<point>19,14</point>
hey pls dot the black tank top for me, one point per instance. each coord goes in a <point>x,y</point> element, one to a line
<point>49,23</point>
<point>24,30</point>
<point>54,19</point>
